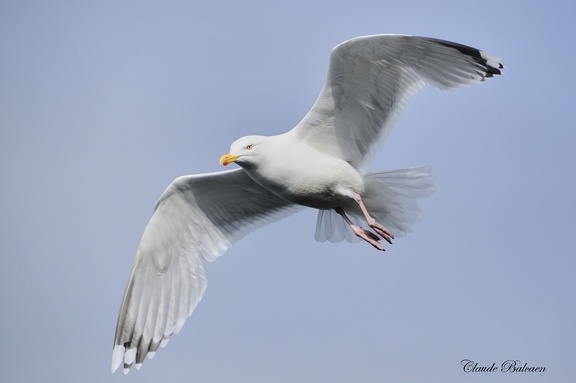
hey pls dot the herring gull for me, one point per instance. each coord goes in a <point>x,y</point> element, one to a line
<point>318,164</point>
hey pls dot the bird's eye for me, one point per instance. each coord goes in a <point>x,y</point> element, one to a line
<point>249,147</point>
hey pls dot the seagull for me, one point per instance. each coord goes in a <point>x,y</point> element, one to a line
<point>318,164</point>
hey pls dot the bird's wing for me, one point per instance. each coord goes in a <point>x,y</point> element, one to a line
<point>196,220</point>
<point>369,81</point>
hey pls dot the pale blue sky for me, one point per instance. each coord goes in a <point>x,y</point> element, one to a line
<point>104,103</point>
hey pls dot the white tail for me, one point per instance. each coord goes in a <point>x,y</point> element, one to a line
<point>390,197</point>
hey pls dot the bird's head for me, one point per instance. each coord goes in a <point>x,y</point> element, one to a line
<point>244,151</point>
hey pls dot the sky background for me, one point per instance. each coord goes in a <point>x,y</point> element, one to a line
<point>104,103</point>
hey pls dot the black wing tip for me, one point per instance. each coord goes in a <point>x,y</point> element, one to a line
<point>491,65</point>
<point>492,69</point>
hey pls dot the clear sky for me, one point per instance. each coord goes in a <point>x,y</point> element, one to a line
<point>104,103</point>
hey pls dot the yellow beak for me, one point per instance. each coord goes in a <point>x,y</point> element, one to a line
<point>227,159</point>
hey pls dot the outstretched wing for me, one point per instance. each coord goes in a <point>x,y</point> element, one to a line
<point>196,220</point>
<point>369,81</point>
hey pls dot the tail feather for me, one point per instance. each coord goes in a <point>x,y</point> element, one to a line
<point>330,226</point>
<point>390,197</point>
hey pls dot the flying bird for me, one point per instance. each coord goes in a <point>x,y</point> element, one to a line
<point>318,164</point>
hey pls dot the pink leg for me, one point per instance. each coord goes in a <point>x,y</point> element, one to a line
<point>366,235</point>
<point>379,229</point>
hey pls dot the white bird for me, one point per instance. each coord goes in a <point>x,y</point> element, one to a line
<point>317,164</point>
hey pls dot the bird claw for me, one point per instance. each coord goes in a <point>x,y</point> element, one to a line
<point>382,231</point>
<point>368,236</point>
<point>379,229</point>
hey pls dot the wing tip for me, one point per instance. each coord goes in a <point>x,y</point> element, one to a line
<point>117,357</point>
<point>121,356</point>
<point>124,357</point>
<point>490,64</point>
